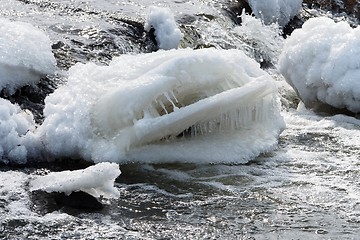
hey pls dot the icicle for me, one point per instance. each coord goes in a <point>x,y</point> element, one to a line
<point>173,95</point>
<point>163,106</point>
<point>170,100</point>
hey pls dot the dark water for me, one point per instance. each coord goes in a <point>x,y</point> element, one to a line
<point>308,188</point>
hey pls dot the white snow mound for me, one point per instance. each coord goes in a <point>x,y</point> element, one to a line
<point>97,180</point>
<point>25,55</point>
<point>321,62</point>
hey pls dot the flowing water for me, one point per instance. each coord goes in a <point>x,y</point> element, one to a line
<point>308,188</point>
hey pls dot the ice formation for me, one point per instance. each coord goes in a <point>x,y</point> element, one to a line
<point>97,180</point>
<point>321,62</point>
<point>280,11</point>
<point>17,140</point>
<point>25,55</point>
<point>179,105</point>
<point>167,33</point>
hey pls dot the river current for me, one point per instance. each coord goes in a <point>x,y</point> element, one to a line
<point>307,188</point>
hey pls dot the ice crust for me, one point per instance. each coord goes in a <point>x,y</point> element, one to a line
<point>271,11</point>
<point>135,108</point>
<point>97,180</point>
<point>168,34</point>
<point>321,62</point>
<point>25,55</point>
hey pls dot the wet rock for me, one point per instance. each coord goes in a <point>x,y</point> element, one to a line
<point>78,200</point>
<point>326,109</point>
<point>234,10</point>
<point>31,97</point>
<point>351,7</point>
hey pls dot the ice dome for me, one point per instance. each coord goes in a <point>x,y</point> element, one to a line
<point>180,105</point>
<point>321,62</point>
<point>271,11</point>
<point>25,55</point>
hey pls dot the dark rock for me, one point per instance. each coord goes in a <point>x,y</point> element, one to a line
<point>294,23</point>
<point>78,200</point>
<point>235,10</point>
<point>326,109</point>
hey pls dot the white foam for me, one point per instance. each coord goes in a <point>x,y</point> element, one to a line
<point>97,180</point>
<point>134,109</point>
<point>25,55</point>
<point>320,61</point>
<point>167,33</point>
<point>280,11</point>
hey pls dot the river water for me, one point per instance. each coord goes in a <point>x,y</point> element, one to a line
<point>308,188</point>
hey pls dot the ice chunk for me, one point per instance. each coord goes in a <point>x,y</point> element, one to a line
<point>280,11</point>
<point>17,140</point>
<point>180,105</point>
<point>97,180</point>
<point>167,33</point>
<point>25,55</point>
<point>321,62</point>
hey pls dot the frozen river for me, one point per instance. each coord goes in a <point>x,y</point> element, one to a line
<point>308,187</point>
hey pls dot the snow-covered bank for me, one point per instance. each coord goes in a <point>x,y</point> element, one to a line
<point>135,108</point>
<point>321,62</point>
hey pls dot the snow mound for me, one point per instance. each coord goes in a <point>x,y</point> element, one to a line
<point>271,11</point>
<point>180,105</point>
<point>167,33</point>
<point>97,180</point>
<point>17,140</point>
<point>321,62</point>
<point>25,55</point>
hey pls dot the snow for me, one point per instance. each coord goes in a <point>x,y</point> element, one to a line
<point>320,61</point>
<point>280,11</point>
<point>134,109</point>
<point>17,140</point>
<point>25,55</point>
<point>97,180</point>
<point>167,33</point>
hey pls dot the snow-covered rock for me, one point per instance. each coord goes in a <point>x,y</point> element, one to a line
<point>25,55</point>
<point>167,33</point>
<point>321,62</point>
